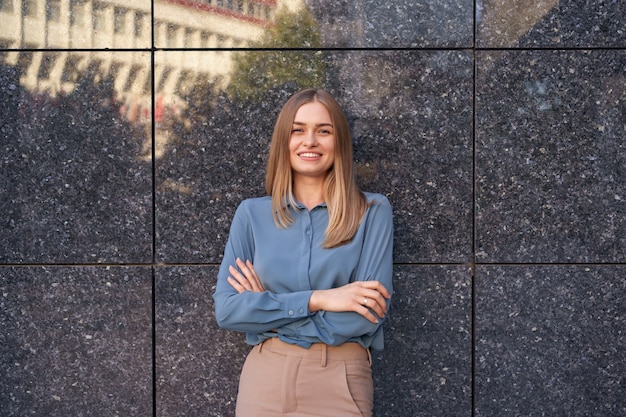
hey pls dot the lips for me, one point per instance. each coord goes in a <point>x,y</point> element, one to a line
<point>309,155</point>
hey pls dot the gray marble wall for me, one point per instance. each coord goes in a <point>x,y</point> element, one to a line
<point>495,127</point>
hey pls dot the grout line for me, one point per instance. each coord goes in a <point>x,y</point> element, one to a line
<point>473,230</point>
<point>154,220</point>
<point>329,49</point>
<point>472,264</point>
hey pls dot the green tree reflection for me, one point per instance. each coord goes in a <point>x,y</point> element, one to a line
<point>255,72</point>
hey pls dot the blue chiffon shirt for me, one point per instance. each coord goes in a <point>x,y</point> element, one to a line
<point>292,263</point>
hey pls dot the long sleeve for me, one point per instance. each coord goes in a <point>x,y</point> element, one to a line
<point>251,311</point>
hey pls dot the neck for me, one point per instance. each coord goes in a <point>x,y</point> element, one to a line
<point>309,193</point>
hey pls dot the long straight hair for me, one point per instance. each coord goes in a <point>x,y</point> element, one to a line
<point>346,204</point>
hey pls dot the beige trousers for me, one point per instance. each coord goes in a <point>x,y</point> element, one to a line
<point>281,379</point>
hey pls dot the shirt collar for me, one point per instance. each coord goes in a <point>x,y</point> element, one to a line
<point>301,206</point>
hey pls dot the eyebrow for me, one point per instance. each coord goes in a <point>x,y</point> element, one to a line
<point>317,125</point>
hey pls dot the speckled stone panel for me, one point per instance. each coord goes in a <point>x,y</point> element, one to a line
<point>426,357</point>
<point>499,142</point>
<point>551,156</point>
<point>394,24</point>
<point>550,23</point>
<point>75,341</point>
<point>550,341</point>
<point>75,184</point>
<point>197,363</point>
<point>425,368</point>
<point>411,116</point>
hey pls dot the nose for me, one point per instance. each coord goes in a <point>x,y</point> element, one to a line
<point>310,139</point>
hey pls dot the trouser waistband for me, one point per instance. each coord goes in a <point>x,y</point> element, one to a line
<point>323,352</point>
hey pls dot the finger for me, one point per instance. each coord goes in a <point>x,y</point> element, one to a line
<point>241,279</point>
<point>371,296</point>
<point>238,287</point>
<point>257,280</point>
<point>379,299</point>
<point>365,312</point>
<point>375,302</point>
<point>375,285</point>
<point>248,271</point>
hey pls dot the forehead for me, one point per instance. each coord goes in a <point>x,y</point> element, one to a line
<point>314,112</point>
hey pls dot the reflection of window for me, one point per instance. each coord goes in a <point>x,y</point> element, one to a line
<point>185,82</point>
<point>47,62</point>
<point>120,20</point>
<point>78,13</point>
<point>189,37</point>
<point>115,69</point>
<point>24,61</point>
<point>132,77</point>
<point>166,73</point>
<point>172,34</point>
<point>94,69</point>
<point>6,5</point>
<point>147,86</point>
<point>29,8</point>
<point>139,22</point>
<point>53,10</point>
<point>99,18</point>
<point>71,70</point>
<point>221,41</point>
<point>207,40</point>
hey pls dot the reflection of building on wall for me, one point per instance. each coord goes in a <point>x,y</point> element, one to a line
<point>76,33</point>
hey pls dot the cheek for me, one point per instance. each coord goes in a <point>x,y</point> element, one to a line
<point>330,148</point>
<point>293,145</point>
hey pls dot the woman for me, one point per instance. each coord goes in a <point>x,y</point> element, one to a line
<point>307,272</point>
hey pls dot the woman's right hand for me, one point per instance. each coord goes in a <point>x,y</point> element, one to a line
<point>244,278</point>
<point>368,298</point>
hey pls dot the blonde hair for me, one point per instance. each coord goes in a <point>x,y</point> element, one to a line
<point>345,202</point>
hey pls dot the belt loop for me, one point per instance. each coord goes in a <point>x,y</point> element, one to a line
<point>369,356</point>
<point>324,352</point>
<point>261,345</point>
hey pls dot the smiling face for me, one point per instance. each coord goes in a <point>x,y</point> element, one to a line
<point>312,142</point>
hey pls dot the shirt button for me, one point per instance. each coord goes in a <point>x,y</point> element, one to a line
<point>291,312</point>
<point>301,311</point>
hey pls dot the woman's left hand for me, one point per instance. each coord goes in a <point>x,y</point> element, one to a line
<point>244,278</point>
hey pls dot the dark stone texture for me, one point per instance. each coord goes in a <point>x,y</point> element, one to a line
<point>412,140</point>
<point>538,24</point>
<point>551,156</point>
<point>428,328</point>
<point>395,24</point>
<point>425,369</point>
<point>197,364</point>
<point>502,153</point>
<point>73,188</point>
<point>75,341</point>
<point>550,341</point>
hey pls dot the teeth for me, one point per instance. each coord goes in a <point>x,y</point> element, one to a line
<point>309,155</point>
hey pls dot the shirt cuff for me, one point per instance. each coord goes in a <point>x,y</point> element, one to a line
<point>296,305</point>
